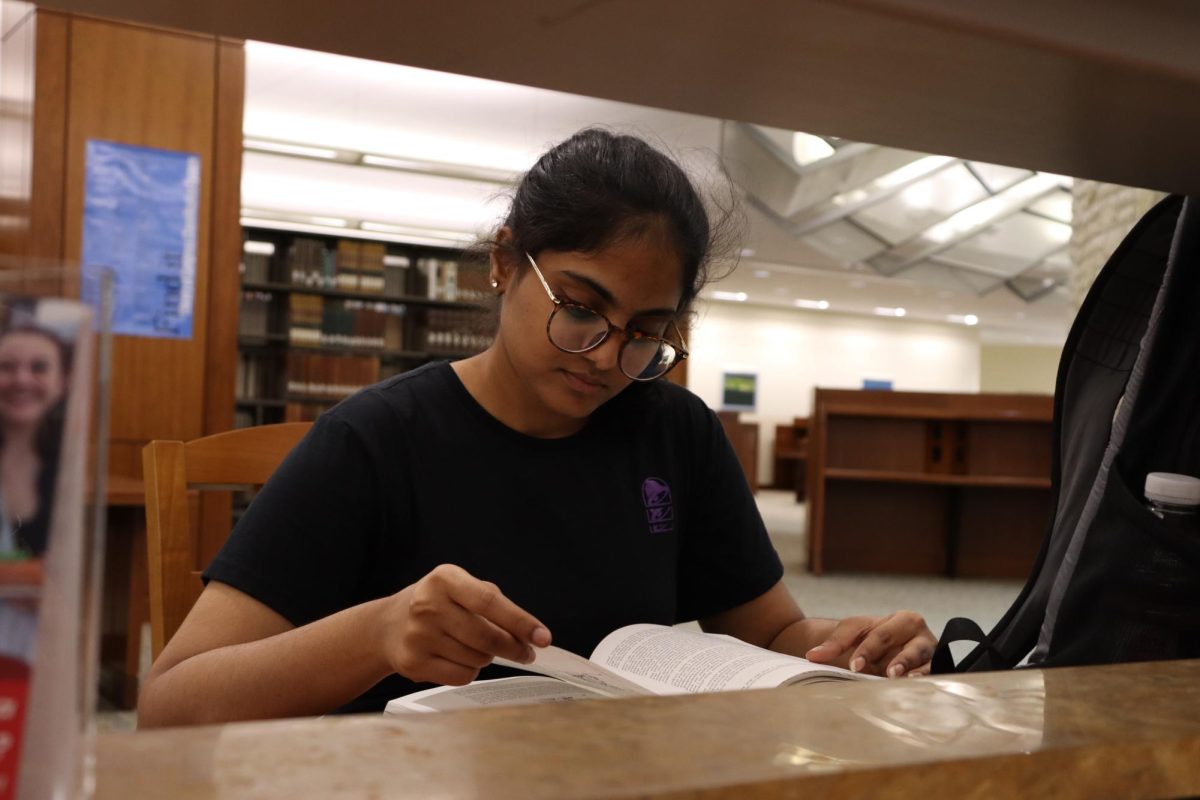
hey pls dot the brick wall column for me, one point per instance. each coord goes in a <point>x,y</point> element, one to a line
<point>1102,214</point>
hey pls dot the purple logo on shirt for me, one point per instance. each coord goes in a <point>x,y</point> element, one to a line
<point>660,512</point>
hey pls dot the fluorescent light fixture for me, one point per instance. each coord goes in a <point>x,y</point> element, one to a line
<point>289,149</point>
<point>970,319</point>
<point>737,297</point>
<point>963,319</point>
<point>985,210</point>
<point>458,237</point>
<point>897,177</point>
<point>258,248</point>
<point>817,304</point>
<point>885,311</point>
<point>807,148</point>
<point>294,226</point>
<point>911,171</point>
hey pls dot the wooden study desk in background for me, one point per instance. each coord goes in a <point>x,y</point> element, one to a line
<point>790,458</point>
<point>928,483</point>
<point>744,438</point>
<point>1116,731</point>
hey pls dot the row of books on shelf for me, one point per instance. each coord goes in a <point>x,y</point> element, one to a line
<point>455,332</point>
<point>256,314</point>
<point>366,267</point>
<point>328,376</point>
<point>316,321</point>
<point>257,377</point>
<point>311,375</point>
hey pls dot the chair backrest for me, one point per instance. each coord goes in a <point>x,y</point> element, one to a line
<point>229,460</point>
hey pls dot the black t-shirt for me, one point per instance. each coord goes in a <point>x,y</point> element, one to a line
<point>643,516</point>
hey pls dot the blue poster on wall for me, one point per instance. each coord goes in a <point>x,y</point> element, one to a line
<point>140,216</point>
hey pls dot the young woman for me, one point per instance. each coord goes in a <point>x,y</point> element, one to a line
<point>549,488</point>
<point>34,365</point>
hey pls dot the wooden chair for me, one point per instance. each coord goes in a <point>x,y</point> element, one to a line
<point>229,460</point>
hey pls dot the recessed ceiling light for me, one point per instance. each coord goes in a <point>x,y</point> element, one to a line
<point>747,252</point>
<point>885,311</point>
<point>738,297</point>
<point>971,319</point>
<point>762,273</point>
<point>820,305</point>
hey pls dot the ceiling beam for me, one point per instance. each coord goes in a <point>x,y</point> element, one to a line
<point>1099,89</point>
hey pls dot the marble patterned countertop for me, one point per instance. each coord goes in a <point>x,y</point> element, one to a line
<point>1115,731</point>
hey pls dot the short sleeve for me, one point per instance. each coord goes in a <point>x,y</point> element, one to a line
<point>726,557</point>
<point>303,546</point>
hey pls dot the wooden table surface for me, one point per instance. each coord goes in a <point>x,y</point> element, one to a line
<point>1114,731</point>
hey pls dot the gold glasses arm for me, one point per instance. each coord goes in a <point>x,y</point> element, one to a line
<point>683,350</point>
<point>546,286</point>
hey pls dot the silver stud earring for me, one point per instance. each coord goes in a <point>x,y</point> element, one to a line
<point>495,283</point>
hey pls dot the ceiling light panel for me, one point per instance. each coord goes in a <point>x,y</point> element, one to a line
<point>922,204</point>
<point>392,110</point>
<point>1056,206</point>
<point>328,189</point>
<point>845,242</point>
<point>1010,246</point>
<point>997,177</point>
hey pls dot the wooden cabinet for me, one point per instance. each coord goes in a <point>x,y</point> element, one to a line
<point>925,483</point>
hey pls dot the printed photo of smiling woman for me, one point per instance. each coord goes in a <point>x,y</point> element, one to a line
<point>35,366</point>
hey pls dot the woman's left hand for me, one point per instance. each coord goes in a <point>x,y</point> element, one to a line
<point>895,645</point>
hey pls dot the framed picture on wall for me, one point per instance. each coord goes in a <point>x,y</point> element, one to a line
<point>739,391</point>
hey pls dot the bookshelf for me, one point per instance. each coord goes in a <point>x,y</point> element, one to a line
<point>928,483</point>
<point>321,316</point>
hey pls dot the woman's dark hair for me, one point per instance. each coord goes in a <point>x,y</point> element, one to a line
<point>599,188</point>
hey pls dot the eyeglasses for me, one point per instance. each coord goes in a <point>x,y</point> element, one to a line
<point>644,355</point>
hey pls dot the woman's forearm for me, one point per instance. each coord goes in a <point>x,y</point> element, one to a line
<point>304,671</point>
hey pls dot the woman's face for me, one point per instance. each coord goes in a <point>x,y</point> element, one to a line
<point>629,281</point>
<point>31,377</point>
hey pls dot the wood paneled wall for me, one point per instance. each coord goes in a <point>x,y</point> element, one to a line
<point>102,79</point>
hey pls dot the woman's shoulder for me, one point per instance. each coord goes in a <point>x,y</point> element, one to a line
<point>663,403</point>
<point>397,400</point>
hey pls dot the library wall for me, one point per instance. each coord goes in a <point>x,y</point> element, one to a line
<point>1028,369</point>
<point>795,351</point>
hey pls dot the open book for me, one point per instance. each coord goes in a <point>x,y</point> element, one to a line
<point>631,661</point>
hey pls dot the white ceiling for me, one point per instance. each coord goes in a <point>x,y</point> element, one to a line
<point>449,121</point>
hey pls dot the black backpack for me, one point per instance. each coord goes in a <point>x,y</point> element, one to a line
<point>1113,582</point>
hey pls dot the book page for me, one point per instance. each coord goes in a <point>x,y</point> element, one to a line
<point>672,661</point>
<point>481,694</point>
<point>577,671</point>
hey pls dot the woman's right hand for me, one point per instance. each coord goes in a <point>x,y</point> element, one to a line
<point>449,625</point>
